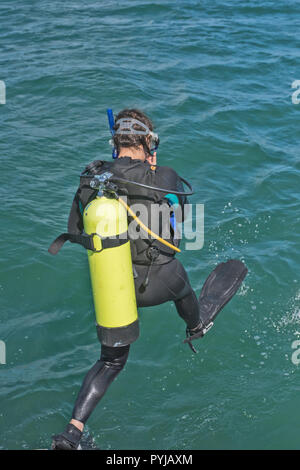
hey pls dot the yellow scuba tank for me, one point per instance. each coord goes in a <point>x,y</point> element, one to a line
<point>111,271</point>
<point>107,243</point>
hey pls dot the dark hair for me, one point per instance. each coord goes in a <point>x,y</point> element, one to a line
<point>132,140</point>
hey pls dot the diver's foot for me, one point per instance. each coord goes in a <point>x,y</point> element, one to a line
<point>196,333</point>
<point>67,440</point>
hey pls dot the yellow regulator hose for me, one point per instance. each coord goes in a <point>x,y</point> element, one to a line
<point>146,229</point>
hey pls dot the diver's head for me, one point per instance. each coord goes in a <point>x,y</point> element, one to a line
<point>133,135</point>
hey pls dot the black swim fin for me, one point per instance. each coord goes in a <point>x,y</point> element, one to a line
<point>220,286</point>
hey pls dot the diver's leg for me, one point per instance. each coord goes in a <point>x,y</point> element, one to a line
<point>94,386</point>
<point>188,309</point>
<point>168,282</point>
<point>98,379</point>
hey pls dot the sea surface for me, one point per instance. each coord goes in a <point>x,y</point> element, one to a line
<point>216,78</point>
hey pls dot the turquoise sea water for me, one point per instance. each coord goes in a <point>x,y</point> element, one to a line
<point>216,79</point>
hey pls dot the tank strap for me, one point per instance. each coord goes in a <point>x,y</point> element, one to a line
<point>87,241</point>
<point>152,253</point>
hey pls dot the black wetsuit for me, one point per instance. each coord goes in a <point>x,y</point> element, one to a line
<point>168,280</point>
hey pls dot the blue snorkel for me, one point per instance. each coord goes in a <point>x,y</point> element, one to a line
<point>111,122</point>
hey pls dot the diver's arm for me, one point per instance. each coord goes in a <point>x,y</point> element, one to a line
<point>83,196</point>
<point>75,223</point>
<point>168,178</point>
<point>181,212</point>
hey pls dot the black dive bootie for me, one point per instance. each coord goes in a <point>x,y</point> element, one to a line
<point>67,440</point>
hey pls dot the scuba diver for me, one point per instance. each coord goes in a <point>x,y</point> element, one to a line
<point>133,179</point>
